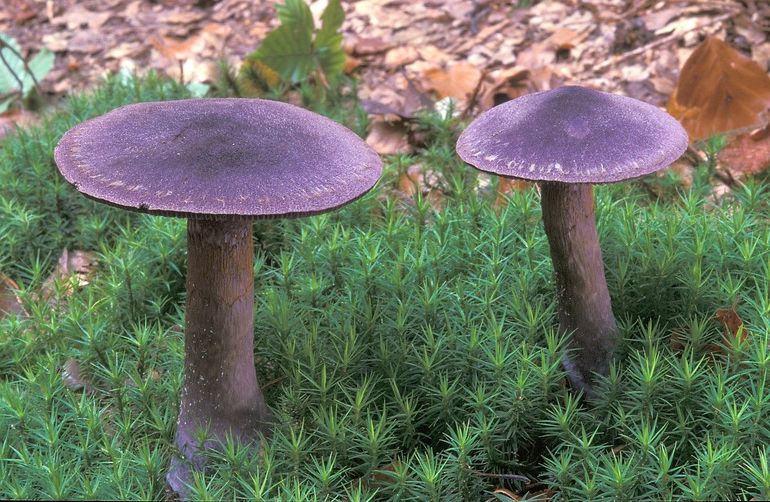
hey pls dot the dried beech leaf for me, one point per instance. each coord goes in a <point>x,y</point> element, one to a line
<point>77,263</point>
<point>505,187</point>
<point>9,301</point>
<point>719,90</point>
<point>747,154</point>
<point>504,86</point>
<point>388,138</point>
<point>71,376</point>
<point>427,182</point>
<point>733,324</point>
<point>508,494</point>
<point>458,81</point>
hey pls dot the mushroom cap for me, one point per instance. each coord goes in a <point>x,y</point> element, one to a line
<point>211,158</point>
<point>573,135</point>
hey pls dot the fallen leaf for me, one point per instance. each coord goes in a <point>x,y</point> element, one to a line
<point>457,81</point>
<point>389,138</point>
<point>733,324</point>
<point>417,179</point>
<point>397,97</point>
<point>401,56</point>
<point>72,378</point>
<point>364,46</point>
<point>77,263</point>
<point>78,17</point>
<point>507,494</point>
<point>504,86</point>
<point>719,89</point>
<point>9,300</point>
<point>747,154</point>
<point>507,186</point>
<point>15,118</point>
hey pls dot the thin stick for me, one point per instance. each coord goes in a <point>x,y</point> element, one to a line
<point>510,477</point>
<point>20,92</point>
<point>661,41</point>
<point>4,44</point>
<point>474,96</point>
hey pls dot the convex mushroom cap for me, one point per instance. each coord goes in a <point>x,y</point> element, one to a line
<point>217,157</point>
<point>573,135</point>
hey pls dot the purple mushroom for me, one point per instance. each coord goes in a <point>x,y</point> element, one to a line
<point>567,139</point>
<point>220,163</point>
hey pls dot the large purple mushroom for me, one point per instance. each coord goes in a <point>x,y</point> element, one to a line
<point>568,139</point>
<point>220,163</point>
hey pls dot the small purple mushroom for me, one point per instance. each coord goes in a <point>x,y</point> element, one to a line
<point>220,163</point>
<point>567,139</point>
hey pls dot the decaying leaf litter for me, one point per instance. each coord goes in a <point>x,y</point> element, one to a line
<point>409,55</point>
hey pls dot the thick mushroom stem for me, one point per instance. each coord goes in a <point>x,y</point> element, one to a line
<point>220,392</point>
<point>585,311</point>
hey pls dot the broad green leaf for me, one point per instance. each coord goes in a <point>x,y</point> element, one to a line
<point>296,13</point>
<point>12,67</point>
<point>40,64</point>
<point>328,41</point>
<point>291,49</point>
<point>282,51</point>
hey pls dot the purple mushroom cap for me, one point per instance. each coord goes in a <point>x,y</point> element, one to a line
<point>573,135</point>
<point>216,158</point>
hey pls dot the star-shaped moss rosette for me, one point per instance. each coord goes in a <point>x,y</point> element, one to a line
<point>568,139</point>
<point>220,163</point>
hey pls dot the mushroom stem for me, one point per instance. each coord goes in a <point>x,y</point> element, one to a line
<point>220,392</point>
<point>585,311</point>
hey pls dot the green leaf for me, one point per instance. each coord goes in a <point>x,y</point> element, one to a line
<point>12,69</point>
<point>11,66</point>
<point>40,64</point>
<point>328,41</point>
<point>288,49</point>
<point>291,49</point>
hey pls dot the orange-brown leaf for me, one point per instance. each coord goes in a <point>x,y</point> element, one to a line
<point>458,81</point>
<point>734,330</point>
<point>9,301</point>
<point>747,154</point>
<point>719,90</point>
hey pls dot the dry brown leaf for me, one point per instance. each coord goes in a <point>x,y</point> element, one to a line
<point>177,50</point>
<point>537,55</point>
<point>747,153</point>
<point>72,378</point>
<point>366,46</point>
<point>505,187</point>
<point>398,97</point>
<point>78,17</point>
<point>733,324</point>
<point>458,81</point>
<point>401,56</point>
<point>427,182</point>
<point>9,300</point>
<point>80,264</point>
<point>566,39</point>
<point>503,86</point>
<point>16,118</point>
<point>719,89</point>
<point>508,493</point>
<point>389,138</point>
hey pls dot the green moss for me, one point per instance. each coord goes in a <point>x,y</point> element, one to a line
<point>408,354</point>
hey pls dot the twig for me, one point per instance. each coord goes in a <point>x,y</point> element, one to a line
<point>474,95</point>
<point>655,43</point>
<point>3,45</point>
<point>20,92</point>
<point>510,477</point>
